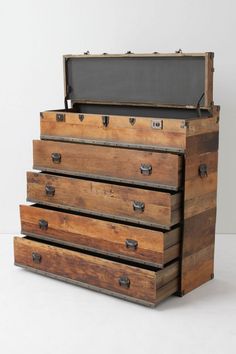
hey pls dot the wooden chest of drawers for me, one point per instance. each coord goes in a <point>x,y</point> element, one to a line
<point>125,202</point>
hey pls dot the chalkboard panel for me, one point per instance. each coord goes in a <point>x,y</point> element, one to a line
<point>155,80</point>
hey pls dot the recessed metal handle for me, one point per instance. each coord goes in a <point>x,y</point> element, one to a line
<point>50,191</point>
<point>203,170</point>
<point>56,157</point>
<point>132,244</point>
<point>36,257</point>
<point>138,206</point>
<point>146,169</point>
<point>124,282</point>
<point>43,224</point>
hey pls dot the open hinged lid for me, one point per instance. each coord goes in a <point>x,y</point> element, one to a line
<point>161,80</point>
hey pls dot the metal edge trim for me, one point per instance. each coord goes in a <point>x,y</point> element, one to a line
<point>90,212</point>
<point>112,143</point>
<point>95,250</point>
<point>104,178</point>
<point>87,286</point>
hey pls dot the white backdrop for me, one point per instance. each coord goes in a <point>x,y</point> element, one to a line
<point>35,35</point>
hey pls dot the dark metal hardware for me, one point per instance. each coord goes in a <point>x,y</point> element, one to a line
<point>124,282</point>
<point>157,123</point>
<point>138,206</point>
<point>50,190</point>
<point>105,120</point>
<point>81,117</point>
<point>43,224</point>
<point>128,52</point>
<point>132,120</point>
<point>87,52</point>
<point>36,257</point>
<point>60,117</point>
<point>179,51</point>
<point>203,170</point>
<point>132,244</point>
<point>146,169</point>
<point>56,157</point>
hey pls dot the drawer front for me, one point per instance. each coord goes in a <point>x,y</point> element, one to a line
<point>166,134</point>
<point>100,273</point>
<point>125,165</point>
<point>124,203</point>
<point>141,245</point>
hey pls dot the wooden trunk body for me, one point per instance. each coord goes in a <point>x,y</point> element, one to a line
<point>126,196</point>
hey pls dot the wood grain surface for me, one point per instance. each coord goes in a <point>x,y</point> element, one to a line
<point>107,162</point>
<point>153,247</point>
<point>161,208</point>
<point>170,136</point>
<point>99,272</point>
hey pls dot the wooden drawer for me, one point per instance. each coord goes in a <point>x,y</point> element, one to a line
<point>149,207</point>
<point>142,132</point>
<point>146,285</point>
<point>151,247</point>
<point>102,162</point>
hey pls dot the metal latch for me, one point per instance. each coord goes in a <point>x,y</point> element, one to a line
<point>132,120</point>
<point>157,124</point>
<point>105,120</point>
<point>60,117</point>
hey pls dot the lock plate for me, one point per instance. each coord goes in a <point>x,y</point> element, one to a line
<point>157,124</point>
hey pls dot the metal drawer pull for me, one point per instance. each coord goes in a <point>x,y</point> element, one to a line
<point>36,257</point>
<point>146,169</point>
<point>124,282</point>
<point>43,224</point>
<point>56,157</point>
<point>138,206</point>
<point>132,244</point>
<point>50,191</point>
<point>203,170</point>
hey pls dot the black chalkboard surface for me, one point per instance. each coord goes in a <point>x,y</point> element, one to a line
<point>171,80</point>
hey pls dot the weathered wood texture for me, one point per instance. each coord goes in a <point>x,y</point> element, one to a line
<point>159,209</point>
<point>151,246</point>
<point>104,162</point>
<point>143,284</point>
<point>119,131</point>
<point>199,204</point>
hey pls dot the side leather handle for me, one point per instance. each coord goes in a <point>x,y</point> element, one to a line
<point>43,224</point>
<point>124,282</point>
<point>132,244</point>
<point>146,169</point>
<point>56,157</point>
<point>36,257</point>
<point>50,190</point>
<point>138,206</point>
